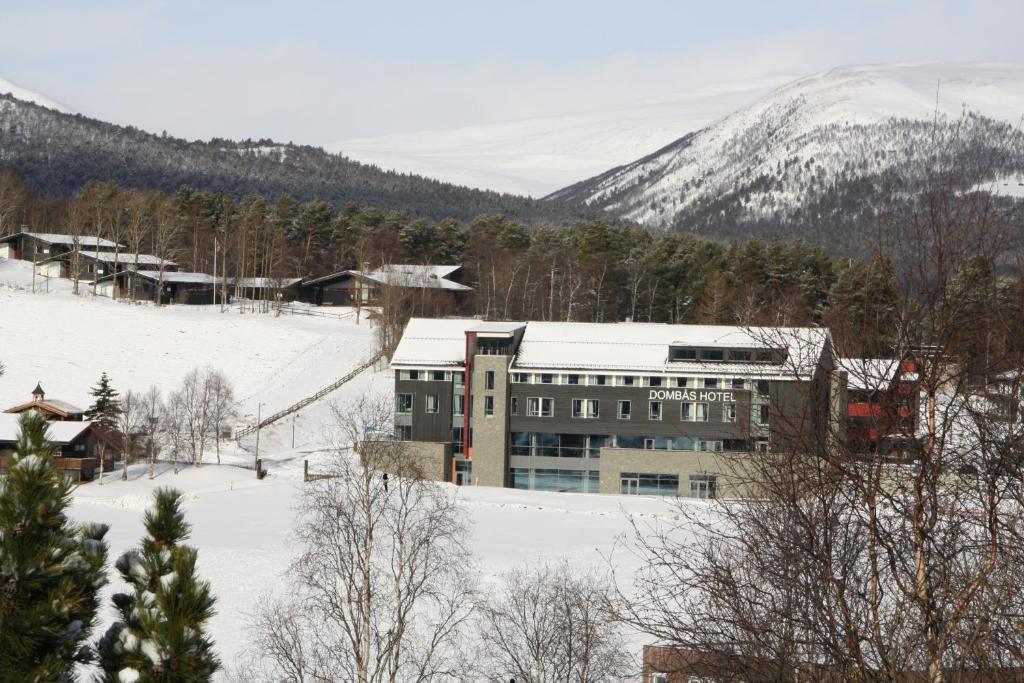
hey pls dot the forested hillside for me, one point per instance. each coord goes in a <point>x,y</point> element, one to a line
<point>58,153</point>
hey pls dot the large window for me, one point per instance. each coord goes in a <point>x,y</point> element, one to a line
<point>572,379</point>
<point>587,408</point>
<point>702,485</point>
<point>547,378</point>
<point>654,381</point>
<point>403,404</point>
<point>625,410</point>
<point>648,484</point>
<point>654,410</point>
<point>437,375</point>
<point>700,412</point>
<point>403,433</point>
<point>432,404</point>
<point>554,445</point>
<point>540,407</point>
<point>575,481</point>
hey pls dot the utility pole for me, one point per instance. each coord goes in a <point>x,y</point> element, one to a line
<point>294,416</point>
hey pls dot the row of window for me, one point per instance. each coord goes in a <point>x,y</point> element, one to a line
<point>572,481</point>
<point>657,484</point>
<point>761,386</point>
<point>432,375</point>
<point>630,483</point>
<point>554,445</point>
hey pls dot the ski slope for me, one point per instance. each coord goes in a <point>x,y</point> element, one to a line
<point>26,95</point>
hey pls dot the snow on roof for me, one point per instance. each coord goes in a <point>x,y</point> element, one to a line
<point>433,342</point>
<point>615,346</point>
<point>645,347</point>
<point>429,277</point>
<point>141,259</point>
<point>60,432</point>
<point>54,238</point>
<point>182,278</point>
<point>265,282</point>
<point>62,406</point>
<point>496,328</point>
<point>868,374</point>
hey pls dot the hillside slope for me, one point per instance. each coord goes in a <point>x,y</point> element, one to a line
<point>806,148</point>
<point>57,153</point>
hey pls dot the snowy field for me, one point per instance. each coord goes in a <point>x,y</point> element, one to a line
<point>241,526</point>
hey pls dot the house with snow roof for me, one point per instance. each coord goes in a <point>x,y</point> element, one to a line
<point>366,287</point>
<point>38,246</point>
<point>96,264</point>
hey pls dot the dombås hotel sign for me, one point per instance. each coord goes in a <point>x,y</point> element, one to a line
<point>692,395</point>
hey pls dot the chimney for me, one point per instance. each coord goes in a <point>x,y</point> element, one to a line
<point>38,394</point>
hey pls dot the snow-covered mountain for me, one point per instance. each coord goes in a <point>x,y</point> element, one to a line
<point>809,137</point>
<point>537,156</point>
<point>26,95</point>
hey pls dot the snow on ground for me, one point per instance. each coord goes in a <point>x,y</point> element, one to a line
<point>65,342</point>
<point>242,526</point>
<point>26,95</point>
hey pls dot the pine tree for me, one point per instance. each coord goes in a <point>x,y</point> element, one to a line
<point>50,568</point>
<point>160,635</point>
<point>106,407</point>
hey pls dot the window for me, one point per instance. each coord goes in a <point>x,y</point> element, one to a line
<point>403,433</point>
<point>702,485</point>
<point>587,408</point>
<point>572,379</point>
<point>762,387</point>
<point>628,381</point>
<point>700,412</point>
<point>628,441</point>
<point>654,381</point>
<point>654,411</point>
<point>540,407</point>
<point>414,374</point>
<point>456,439</point>
<point>458,404</point>
<point>513,406</point>
<point>437,375</point>
<point>521,377</point>
<point>738,384</point>
<point>625,409</point>
<point>740,356</point>
<point>433,405</point>
<point>710,382</point>
<point>459,377</point>
<point>682,382</point>
<point>648,484</point>
<point>762,415</point>
<point>547,378</point>
<point>728,412</point>
<point>488,406</point>
<point>681,354</point>
<point>598,380</point>
<point>686,411</point>
<point>403,404</point>
<point>712,355</point>
<point>489,379</point>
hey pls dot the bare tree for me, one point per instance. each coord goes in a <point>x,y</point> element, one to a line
<point>223,407</point>
<point>131,424</point>
<point>551,622</point>
<point>151,407</point>
<point>382,589</point>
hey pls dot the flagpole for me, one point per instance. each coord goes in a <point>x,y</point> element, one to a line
<point>215,273</point>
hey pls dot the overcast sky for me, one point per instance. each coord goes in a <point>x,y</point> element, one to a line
<point>318,72</point>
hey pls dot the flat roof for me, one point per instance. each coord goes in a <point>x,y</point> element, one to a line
<point>616,347</point>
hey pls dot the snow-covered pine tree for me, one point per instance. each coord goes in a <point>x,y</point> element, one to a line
<point>50,569</point>
<point>160,635</point>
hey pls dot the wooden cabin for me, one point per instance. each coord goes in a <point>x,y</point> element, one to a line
<point>39,246</point>
<point>365,287</point>
<point>178,288</point>
<point>76,446</point>
<point>93,265</point>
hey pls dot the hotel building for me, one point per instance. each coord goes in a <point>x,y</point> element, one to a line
<point>631,408</point>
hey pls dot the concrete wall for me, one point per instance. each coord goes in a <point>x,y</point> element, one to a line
<point>433,460</point>
<point>727,467</point>
<point>490,433</point>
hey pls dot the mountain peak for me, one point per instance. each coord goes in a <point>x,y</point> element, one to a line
<point>26,95</point>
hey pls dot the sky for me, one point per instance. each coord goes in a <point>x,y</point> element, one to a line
<point>319,72</point>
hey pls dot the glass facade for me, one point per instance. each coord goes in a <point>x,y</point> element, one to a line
<point>648,484</point>
<point>551,445</point>
<point>570,481</point>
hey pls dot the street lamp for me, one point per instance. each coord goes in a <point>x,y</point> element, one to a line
<point>153,420</point>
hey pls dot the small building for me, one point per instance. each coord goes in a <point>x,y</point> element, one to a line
<point>365,287</point>
<point>37,246</point>
<point>50,408</point>
<point>882,403</point>
<point>266,288</point>
<point>178,288</point>
<point>76,446</point>
<point>93,265</point>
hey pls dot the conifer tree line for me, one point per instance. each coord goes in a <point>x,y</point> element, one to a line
<point>592,271</point>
